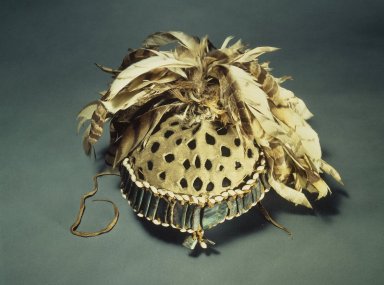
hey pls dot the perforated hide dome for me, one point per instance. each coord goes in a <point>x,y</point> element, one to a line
<point>203,158</point>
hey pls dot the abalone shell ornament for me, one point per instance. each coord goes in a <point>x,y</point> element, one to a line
<point>200,134</point>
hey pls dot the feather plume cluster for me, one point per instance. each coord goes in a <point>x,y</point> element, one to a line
<point>198,81</point>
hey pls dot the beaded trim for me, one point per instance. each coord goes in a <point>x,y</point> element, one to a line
<point>201,200</point>
<point>184,212</point>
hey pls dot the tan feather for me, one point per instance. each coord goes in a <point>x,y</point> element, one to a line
<point>108,69</point>
<point>86,145</point>
<point>163,38</point>
<point>139,68</point>
<point>286,98</point>
<point>321,187</point>
<point>286,192</point>
<point>308,137</point>
<point>136,132</point>
<point>86,114</point>
<point>238,46</point>
<point>231,95</point>
<point>289,194</point>
<point>242,86</point>
<point>226,42</point>
<point>125,100</point>
<point>331,171</point>
<point>253,54</point>
<point>95,130</point>
<point>134,56</point>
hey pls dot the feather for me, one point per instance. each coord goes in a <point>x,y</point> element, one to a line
<point>86,145</point>
<point>293,148</point>
<point>107,69</point>
<point>286,97</point>
<point>321,187</point>
<point>99,116</point>
<point>127,99</point>
<point>95,129</point>
<point>237,46</point>
<point>288,193</point>
<point>308,137</point>
<point>139,128</point>
<point>282,79</point>
<point>300,108</point>
<point>179,71</point>
<point>240,85</point>
<point>139,68</point>
<point>155,76</point>
<point>291,112</point>
<point>134,56</point>
<point>248,91</point>
<point>103,93</point>
<point>277,94</point>
<point>282,169</point>
<point>229,94</point>
<point>226,42</point>
<point>231,52</point>
<point>163,38</point>
<point>271,128</point>
<point>86,114</point>
<point>265,65</point>
<point>331,171</point>
<point>253,54</point>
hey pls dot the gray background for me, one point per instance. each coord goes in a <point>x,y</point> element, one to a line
<point>333,49</point>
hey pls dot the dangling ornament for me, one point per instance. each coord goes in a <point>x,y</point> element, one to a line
<point>200,134</point>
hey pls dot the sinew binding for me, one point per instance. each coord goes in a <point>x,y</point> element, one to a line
<point>199,134</point>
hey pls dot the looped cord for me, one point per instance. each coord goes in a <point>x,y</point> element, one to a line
<point>110,226</point>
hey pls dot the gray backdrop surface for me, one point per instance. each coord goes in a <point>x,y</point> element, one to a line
<point>333,49</point>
